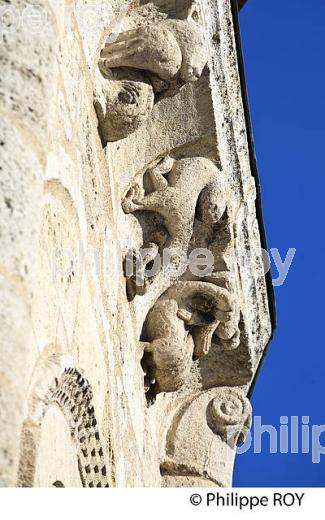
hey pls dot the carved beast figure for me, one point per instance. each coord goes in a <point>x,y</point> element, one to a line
<point>180,326</point>
<point>164,56</point>
<point>177,187</point>
<point>123,105</point>
<point>171,48</point>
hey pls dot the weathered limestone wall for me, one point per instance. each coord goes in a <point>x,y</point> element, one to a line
<point>56,201</point>
<point>105,382</point>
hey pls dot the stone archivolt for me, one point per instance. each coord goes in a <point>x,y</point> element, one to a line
<point>67,388</point>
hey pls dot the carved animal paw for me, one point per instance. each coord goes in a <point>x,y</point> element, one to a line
<point>164,166</point>
<point>133,199</point>
<point>231,344</point>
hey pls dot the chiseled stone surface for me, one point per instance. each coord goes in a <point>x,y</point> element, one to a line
<point>124,143</point>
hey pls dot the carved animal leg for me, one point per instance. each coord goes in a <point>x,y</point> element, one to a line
<point>152,48</point>
<point>132,198</point>
<point>202,339</point>
<point>135,200</point>
<point>157,173</point>
<point>119,54</point>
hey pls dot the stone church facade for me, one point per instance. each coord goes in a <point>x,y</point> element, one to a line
<point>135,310</point>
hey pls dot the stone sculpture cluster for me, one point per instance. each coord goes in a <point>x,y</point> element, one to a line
<point>141,65</point>
<point>162,344</point>
<point>180,327</point>
<point>190,314</point>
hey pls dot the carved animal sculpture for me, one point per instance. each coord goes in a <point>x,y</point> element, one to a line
<point>170,49</point>
<point>178,185</point>
<point>142,62</point>
<point>175,197</point>
<point>123,105</point>
<point>180,326</point>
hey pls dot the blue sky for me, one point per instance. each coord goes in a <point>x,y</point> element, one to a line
<point>284,52</point>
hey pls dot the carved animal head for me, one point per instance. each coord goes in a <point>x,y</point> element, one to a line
<point>125,107</point>
<point>192,43</point>
<point>181,9</point>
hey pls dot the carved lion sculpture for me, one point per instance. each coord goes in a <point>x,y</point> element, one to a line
<point>178,186</point>
<point>180,326</point>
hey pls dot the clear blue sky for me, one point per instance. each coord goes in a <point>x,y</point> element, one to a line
<point>284,52</point>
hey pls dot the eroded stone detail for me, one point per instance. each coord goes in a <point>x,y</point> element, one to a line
<point>172,49</point>
<point>123,105</point>
<point>230,415</point>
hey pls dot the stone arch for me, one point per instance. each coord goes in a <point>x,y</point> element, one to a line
<point>56,381</point>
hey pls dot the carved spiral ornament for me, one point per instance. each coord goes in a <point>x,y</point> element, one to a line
<point>229,412</point>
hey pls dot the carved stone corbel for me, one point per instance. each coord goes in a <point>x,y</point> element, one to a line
<point>179,330</point>
<point>179,189</point>
<point>202,438</point>
<point>144,62</point>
